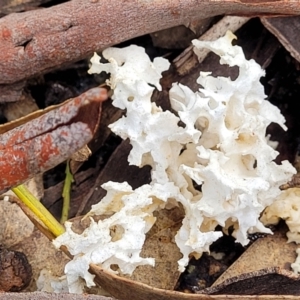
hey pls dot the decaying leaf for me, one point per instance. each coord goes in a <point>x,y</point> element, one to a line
<point>41,254</point>
<point>267,252</point>
<point>160,245</point>
<point>42,140</point>
<point>270,281</point>
<point>259,272</point>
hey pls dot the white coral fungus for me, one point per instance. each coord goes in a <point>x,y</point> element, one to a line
<point>287,207</point>
<point>222,147</point>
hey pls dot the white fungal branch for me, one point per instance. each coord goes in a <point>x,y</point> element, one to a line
<point>222,147</point>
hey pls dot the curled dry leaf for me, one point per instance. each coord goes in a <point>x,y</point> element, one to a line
<point>258,257</point>
<point>123,288</point>
<point>270,283</point>
<point>42,140</point>
<point>126,289</point>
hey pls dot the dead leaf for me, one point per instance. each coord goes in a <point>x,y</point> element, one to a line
<point>43,139</point>
<point>41,254</point>
<point>125,289</point>
<point>160,245</point>
<point>273,281</point>
<point>270,251</point>
<point>262,274</point>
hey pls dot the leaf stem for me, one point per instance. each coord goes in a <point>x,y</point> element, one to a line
<point>39,210</point>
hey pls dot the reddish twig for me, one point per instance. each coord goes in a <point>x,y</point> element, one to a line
<point>37,41</point>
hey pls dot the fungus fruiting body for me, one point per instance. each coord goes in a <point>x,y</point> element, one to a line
<point>221,146</point>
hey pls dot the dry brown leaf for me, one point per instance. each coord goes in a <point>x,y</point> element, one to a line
<point>125,289</point>
<point>160,245</point>
<point>273,281</point>
<point>260,266</point>
<point>45,138</point>
<point>41,254</point>
<point>267,252</point>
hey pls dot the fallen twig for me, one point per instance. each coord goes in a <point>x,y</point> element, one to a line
<point>38,41</point>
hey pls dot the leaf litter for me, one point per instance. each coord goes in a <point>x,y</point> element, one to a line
<point>246,251</point>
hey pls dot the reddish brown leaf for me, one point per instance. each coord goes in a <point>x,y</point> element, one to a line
<point>49,139</point>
